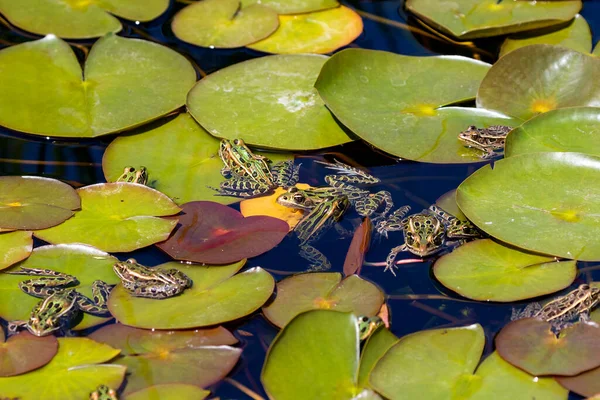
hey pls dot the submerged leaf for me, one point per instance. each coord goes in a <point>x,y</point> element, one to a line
<point>358,248</point>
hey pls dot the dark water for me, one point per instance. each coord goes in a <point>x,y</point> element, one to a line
<point>415,184</point>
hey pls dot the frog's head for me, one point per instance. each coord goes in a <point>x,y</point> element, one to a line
<point>424,234</point>
<point>297,199</point>
<point>123,268</point>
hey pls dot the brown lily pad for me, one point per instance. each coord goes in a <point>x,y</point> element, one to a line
<point>25,352</point>
<point>358,248</point>
<point>584,384</point>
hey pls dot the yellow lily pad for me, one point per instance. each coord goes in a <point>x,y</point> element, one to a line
<point>316,32</point>
<point>268,205</point>
<point>14,247</point>
<point>294,6</point>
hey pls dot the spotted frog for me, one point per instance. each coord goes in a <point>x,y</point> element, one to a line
<point>489,140</point>
<point>368,325</point>
<point>103,392</point>
<point>132,175</point>
<point>154,283</point>
<point>60,303</point>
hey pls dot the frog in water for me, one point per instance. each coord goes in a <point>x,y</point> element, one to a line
<point>425,233</point>
<point>132,175</point>
<point>103,392</point>
<point>248,174</point>
<point>364,202</point>
<point>368,325</point>
<point>60,303</point>
<point>488,140</point>
<point>154,283</point>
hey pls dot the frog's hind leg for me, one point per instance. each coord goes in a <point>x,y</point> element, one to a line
<point>392,223</point>
<point>100,292</point>
<point>317,260</point>
<point>244,189</point>
<point>47,282</point>
<point>390,262</point>
<point>369,204</point>
<point>285,173</point>
<point>348,174</point>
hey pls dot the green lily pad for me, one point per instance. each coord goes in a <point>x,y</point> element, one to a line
<point>576,35</point>
<point>507,203</point>
<point>274,103</point>
<point>566,129</point>
<point>469,19</point>
<point>25,352</point>
<point>14,247</point>
<point>596,50</point>
<point>531,345</point>
<point>32,202</point>
<point>86,263</point>
<point>173,391</point>
<point>78,19</point>
<point>323,290</point>
<point>387,100</point>
<point>116,217</point>
<point>539,78</point>
<point>585,384</point>
<point>217,296</point>
<point>377,345</point>
<point>221,23</point>
<point>71,375</point>
<point>316,32</point>
<point>174,154</point>
<point>46,95</point>
<point>484,270</point>
<point>447,202</point>
<point>293,6</point>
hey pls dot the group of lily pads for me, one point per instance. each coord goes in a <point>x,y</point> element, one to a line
<point>184,149</point>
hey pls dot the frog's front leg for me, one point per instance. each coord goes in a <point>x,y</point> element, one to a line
<point>285,173</point>
<point>317,260</point>
<point>100,292</point>
<point>390,262</point>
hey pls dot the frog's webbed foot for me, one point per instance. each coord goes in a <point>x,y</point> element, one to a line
<point>285,173</point>
<point>317,260</point>
<point>244,190</point>
<point>390,262</point>
<point>348,174</point>
<point>100,293</point>
<point>392,223</point>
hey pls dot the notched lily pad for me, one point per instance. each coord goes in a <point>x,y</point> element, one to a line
<point>294,6</point>
<point>14,247</point>
<point>127,82</point>
<point>323,290</point>
<point>216,234</point>
<point>217,296</point>
<point>25,352</point>
<point>116,217</point>
<point>32,202</point>
<point>484,270</point>
<point>531,345</point>
<point>318,32</point>
<point>172,391</point>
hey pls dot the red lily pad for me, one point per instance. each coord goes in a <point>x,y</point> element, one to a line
<point>530,344</point>
<point>585,384</point>
<point>358,248</point>
<point>212,233</point>
<point>32,202</point>
<point>25,352</point>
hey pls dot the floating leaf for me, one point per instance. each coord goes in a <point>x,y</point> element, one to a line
<point>32,202</point>
<point>576,35</point>
<point>468,19</point>
<point>274,103</point>
<point>506,203</point>
<point>316,32</point>
<point>116,217</point>
<point>14,247</point>
<point>323,290</point>
<point>127,82</point>
<point>358,248</point>
<point>174,154</point>
<point>212,233</point>
<point>530,344</point>
<point>294,6</point>
<point>25,352</point>
<point>539,78</point>
<point>173,391</point>
<point>86,263</point>
<point>566,129</point>
<point>267,205</point>
<point>71,375</point>
<point>78,19</point>
<point>488,271</point>
<point>387,99</point>
<point>585,384</point>
<point>217,296</point>
<point>447,202</point>
<point>377,345</point>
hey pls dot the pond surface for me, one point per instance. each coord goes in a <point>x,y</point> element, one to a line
<point>415,297</point>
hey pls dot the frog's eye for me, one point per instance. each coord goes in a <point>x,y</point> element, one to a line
<point>236,141</point>
<point>298,197</point>
<point>292,190</point>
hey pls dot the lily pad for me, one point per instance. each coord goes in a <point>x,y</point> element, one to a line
<point>222,24</point>
<point>78,19</point>
<point>116,217</point>
<point>359,246</point>
<point>127,82</point>
<point>529,81</point>
<point>323,290</point>
<point>86,263</point>
<point>71,375</point>
<point>217,296</point>
<point>32,202</point>
<point>506,202</point>
<point>294,6</point>
<point>316,32</point>
<point>268,205</point>
<point>173,391</point>
<point>25,352</point>
<point>181,158</point>
<point>212,233</point>
<point>469,19</point>
<point>484,270</point>
<point>531,345</point>
<point>14,247</point>
<point>377,345</point>
<point>447,202</point>
<point>585,384</point>
<point>388,100</point>
<point>566,129</point>
<point>274,103</point>
<point>576,35</point>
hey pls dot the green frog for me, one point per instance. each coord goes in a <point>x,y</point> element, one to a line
<point>153,283</point>
<point>132,175</point>
<point>103,392</point>
<point>488,140</point>
<point>60,303</point>
<point>249,175</point>
<point>368,325</point>
<point>425,233</point>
